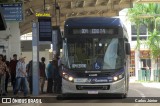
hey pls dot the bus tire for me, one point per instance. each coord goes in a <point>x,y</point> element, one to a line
<point>124,96</point>
<point>62,97</point>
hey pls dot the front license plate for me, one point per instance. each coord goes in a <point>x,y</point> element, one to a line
<point>92,92</point>
<point>80,79</point>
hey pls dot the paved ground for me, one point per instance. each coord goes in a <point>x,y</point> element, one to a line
<point>137,90</point>
<point>134,87</point>
<point>146,84</point>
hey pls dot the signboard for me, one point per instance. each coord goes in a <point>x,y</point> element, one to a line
<point>12,12</point>
<point>101,31</point>
<point>43,15</point>
<point>144,54</point>
<point>45,28</point>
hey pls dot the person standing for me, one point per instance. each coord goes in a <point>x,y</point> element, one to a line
<point>12,69</point>
<point>42,73</point>
<point>56,75</point>
<point>3,67</point>
<point>21,77</point>
<point>50,77</point>
<point>29,69</point>
<point>6,73</point>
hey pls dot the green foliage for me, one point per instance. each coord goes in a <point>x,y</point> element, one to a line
<point>154,44</point>
<point>145,14</point>
<point>134,13</point>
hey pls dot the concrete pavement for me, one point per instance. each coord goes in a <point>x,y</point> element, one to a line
<point>146,84</point>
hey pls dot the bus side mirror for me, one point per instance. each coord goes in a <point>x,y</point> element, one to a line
<point>127,48</point>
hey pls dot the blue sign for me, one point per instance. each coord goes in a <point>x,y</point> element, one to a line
<point>97,66</point>
<point>12,12</point>
<point>45,28</point>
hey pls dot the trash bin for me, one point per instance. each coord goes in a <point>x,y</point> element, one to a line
<point>143,75</point>
<point>139,75</point>
<point>156,75</point>
<point>148,75</point>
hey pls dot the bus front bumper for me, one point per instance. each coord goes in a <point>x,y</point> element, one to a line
<point>117,87</point>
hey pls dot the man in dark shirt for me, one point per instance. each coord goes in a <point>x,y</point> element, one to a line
<point>42,73</point>
<point>30,76</point>
<point>29,69</point>
<point>12,68</point>
<point>57,78</point>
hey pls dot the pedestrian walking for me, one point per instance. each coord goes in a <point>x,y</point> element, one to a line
<point>21,77</point>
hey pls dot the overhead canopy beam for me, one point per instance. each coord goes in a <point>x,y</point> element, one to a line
<point>147,1</point>
<point>68,9</point>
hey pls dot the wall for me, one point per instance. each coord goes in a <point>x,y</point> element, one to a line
<point>10,38</point>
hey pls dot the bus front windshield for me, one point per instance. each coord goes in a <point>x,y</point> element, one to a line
<point>94,53</point>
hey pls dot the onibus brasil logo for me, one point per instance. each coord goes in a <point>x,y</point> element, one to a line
<point>20,100</point>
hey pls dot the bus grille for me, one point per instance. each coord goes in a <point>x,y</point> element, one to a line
<point>92,87</point>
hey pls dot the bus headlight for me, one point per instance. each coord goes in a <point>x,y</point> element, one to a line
<point>118,77</point>
<point>67,77</point>
<point>115,78</point>
<point>70,78</point>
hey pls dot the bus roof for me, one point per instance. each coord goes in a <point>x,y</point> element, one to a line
<point>93,21</point>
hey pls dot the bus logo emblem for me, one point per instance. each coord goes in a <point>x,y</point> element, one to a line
<point>93,80</point>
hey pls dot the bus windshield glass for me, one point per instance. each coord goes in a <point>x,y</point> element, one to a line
<point>94,53</point>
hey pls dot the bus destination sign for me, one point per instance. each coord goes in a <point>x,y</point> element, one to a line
<point>95,31</point>
<point>45,28</point>
<point>12,12</point>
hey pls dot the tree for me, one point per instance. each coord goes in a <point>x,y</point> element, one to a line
<point>133,16</point>
<point>146,14</point>
<point>154,44</point>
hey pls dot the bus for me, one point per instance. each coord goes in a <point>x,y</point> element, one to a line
<point>95,57</point>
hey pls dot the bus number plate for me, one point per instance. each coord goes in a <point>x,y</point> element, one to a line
<point>92,92</point>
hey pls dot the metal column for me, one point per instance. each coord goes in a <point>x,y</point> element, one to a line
<point>35,59</point>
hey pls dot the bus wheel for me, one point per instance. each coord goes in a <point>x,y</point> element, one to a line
<point>124,96</point>
<point>62,97</point>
